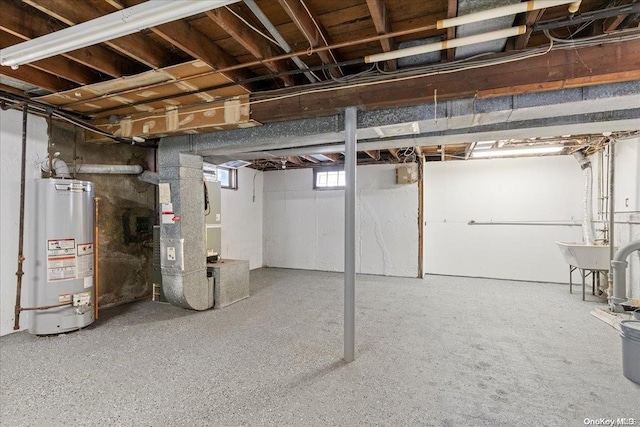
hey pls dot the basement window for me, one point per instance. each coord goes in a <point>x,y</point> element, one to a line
<point>328,179</point>
<point>228,178</point>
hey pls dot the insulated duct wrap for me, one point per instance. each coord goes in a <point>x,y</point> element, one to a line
<point>587,215</point>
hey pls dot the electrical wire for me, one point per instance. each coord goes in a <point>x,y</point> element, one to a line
<point>248,24</point>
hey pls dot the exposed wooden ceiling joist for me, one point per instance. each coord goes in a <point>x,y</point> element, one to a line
<point>378,11</point>
<point>452,12</point>
<point>374,154</point>
<point>531,18</point>
<point>23,23</point>
<point>35,77</point>
<point>58,65</point>
<point>135,46</point>
<point>258,46</point>
<point>309,24</point>
<point>196,44</point>
<point>394,152</point>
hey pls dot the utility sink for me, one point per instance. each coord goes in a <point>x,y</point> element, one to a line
<point>586,257</point>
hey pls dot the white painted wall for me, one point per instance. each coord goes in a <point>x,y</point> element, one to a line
<point>10,155</point>
<point>525,189</point>
<point>242,218</point>
<point>304,228</point>
<point>627,203</point>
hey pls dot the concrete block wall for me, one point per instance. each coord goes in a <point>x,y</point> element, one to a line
<point>304,228</point>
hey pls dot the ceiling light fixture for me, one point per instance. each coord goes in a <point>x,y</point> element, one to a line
<point>107,27</point>
<point>517,151</point>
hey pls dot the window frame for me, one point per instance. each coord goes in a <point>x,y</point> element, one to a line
<point>233,178</point>
<point>324,169</point>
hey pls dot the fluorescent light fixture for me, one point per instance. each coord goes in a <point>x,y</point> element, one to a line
<point>121,23</point>
<point>508,10</point>
<point>235,164</point>
<point>447,44</point>
<point>321,157</point>
<point>518,151</point>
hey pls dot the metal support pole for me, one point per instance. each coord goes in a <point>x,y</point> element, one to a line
<point>611,201</point>
<point>20,272</point>
<point>350,161</point>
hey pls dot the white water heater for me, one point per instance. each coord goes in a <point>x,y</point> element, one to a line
<point>62,292</point>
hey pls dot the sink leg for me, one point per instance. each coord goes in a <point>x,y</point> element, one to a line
<point>583,284</point>
<point>570,281</point>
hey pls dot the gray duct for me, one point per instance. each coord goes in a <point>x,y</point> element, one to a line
<point>149,177</point>
<point>110,169</point>
<point>619,271</point>
<point>61,169</point>
<point>587,223</point>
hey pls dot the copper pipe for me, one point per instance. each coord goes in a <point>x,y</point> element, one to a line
<point>96,277</point>
<point>46,307</point>
<point>20,272</point>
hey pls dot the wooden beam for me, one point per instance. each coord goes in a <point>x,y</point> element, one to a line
<point>558,69</point>
<point>311,27</point>
<point>443,153</point>
<point>394,152</point>
<point>180,120</point>
<point>612,24</point>
<point>13,90</point>
<point>258,46</point>
<point>35,77</point>
<point>136,46</point>
<point>57,65</point>
<point>374,154</point>
<point>452,12</point>
<point>295,160</point>
<point>182,35</point>
<point>522,40</point>
<point>335,157</point>
<point>25,25</point>
<point>378,11</point>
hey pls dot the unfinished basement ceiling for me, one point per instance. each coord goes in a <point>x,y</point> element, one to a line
<point>212,71</point>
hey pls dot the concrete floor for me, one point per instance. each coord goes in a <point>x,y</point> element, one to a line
<point>442,351</point>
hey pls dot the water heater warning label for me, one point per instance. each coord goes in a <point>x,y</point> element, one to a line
<point>61,259</point>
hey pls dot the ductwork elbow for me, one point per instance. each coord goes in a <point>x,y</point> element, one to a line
<point>583,161</point>
<point>619,267</point>
<point>60,168</point>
